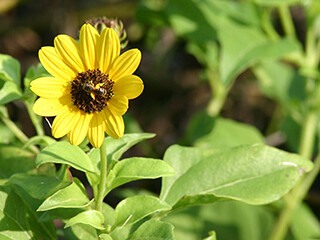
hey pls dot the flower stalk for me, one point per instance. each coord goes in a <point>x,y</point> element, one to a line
<point>103,177</point>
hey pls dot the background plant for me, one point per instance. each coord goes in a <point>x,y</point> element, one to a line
<point>227,159</point>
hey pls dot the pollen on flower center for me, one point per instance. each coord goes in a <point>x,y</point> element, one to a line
<point>91,90</point>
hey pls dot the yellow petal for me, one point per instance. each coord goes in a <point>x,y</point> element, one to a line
<point>130,86</point>
<point>64,122</point>
<point>108,49</point>
<point>80,129</point>
<point>50,87</point>
<point>118,104</point>
<point>68,50</point>
<point>51,107</point>
<point>125,64</point>
<point>114,125</point>
<point>96,130</point>
<point>54,65</point>
<point>87,41</point>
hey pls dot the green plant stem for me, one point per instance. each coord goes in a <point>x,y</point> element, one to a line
<point>286,20</point>
<point>219,91</point>
<point>298,193</point>
<point>267,25</point>
<point>18,133</point>
<point>37,122</point>
<point>103,177</point>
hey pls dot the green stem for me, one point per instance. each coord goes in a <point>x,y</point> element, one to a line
<point>219,94</point>
<point>18,133</point>
<point>267,25</point>
<point>103,177</point>
<point>286,20</point>
<point>37,122</point>
<point>298,193</point>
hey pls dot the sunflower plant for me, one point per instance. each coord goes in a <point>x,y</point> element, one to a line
<point>86,85</point>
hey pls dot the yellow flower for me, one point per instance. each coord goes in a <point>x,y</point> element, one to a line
<point>90,87</point>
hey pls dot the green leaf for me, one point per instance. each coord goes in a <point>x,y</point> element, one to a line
<point>93,218</point>
<point>39,140</point>
<point>229,133</point>
<point>212,236</point>
<point>250,47</point>
<point>115,149</point>
<point>9,79</point>
<point>59,213</point>
<point>109,215</point>
<point>131,210</point>
<point>73,196</point>
<point>15,160</point>
<point>135,168</point>
<point>230,220</point>
<point>9,91</point>
<point>255,174</point>
<point>40,186</point>
<point>105,236</point>
<point>287,91</point>
<point>153,229</point>
<point>65,153</point>
<point>9,69</point>
<point>304,224</point>
<point>81,231</point>
<point>18,222</point>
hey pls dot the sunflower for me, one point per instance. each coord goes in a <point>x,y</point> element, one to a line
<point>90,86</point>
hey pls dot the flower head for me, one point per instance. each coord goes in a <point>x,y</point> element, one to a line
<point>90,87</point>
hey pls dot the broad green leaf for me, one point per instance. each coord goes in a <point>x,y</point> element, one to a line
<point>9,79</point>
<point>229,133</point>
<point>135,168</point>
<point>9,69</point>
<point>131,210</point>
<point>81,231</point>
<point>230,220</point>
<point>153,229</point>
<point>40,186</point>
<point>15,160</point>
<point>109,215</point>
<point>250,47</point>
<point>65,153</point>
<point>18,222</point>
<point>93,218</point>
<point>9,91</point>
<point>73,196</point>
<point>105,236</point>
<point>187,20</point>
<point>59,213</point>
<point>280,82</point>
<point>304,224</point>
<point>255,174</point>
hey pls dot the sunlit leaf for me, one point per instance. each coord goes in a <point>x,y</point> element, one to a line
<point>131,210</point>
<point>73,196</point>
<point>65,153</point>
<point>91,217</point>
<point>131,169</point>
<point>153,229</point>
<point>255,174</point>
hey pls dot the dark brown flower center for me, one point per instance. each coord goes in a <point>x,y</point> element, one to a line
<point>91,90</point>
